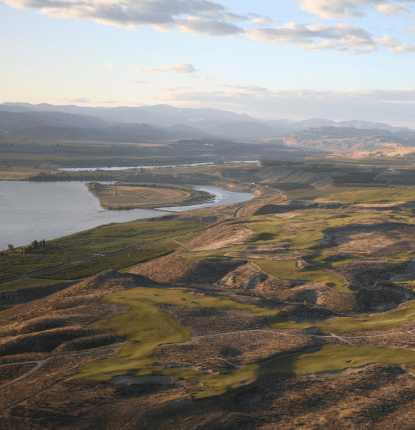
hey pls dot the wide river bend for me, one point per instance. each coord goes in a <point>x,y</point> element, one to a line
<point>49,210</point>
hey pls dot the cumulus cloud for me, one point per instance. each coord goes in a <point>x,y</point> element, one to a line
<point>402,49</point>
<point>175,68</point>
<point>208,17</point>
<point>192,16</point>
<point>387,41</point>
<point>345,38</point>
<point>264,20</point>
<point>391,9</point>
<point>394,46</point>
<point>330,9</point>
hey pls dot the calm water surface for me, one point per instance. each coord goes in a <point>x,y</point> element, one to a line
<point>48,210</point>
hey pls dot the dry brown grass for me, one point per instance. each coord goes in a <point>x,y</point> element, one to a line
<point>62,320</point>
<point>266,252</point>
<point>124,196</point>
<point>222,236</point>
<point>237,348</point>
<point>19,174</point>
<point>205,321</point>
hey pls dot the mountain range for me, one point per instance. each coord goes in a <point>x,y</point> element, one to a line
<point>24,121</point>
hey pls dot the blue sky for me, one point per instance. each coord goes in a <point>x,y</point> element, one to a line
<point>295,59</point>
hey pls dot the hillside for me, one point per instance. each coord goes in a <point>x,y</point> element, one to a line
<point>168,122</point>
<point>297,304</point>
<point>349,139</point>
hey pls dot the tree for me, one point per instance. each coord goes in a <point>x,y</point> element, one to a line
<point>11,247</point>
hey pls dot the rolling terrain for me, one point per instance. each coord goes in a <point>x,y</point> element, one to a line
<point>292,310</point>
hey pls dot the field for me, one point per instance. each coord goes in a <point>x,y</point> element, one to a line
<point>118,262</point>
<point>26,283</point>
<point>399,194</point>
<point>90,243</point>
<point>129,196</point>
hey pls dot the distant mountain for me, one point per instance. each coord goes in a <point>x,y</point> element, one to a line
<point>347,139</point>
<point>59,126</point>
<point>21,120</point>
<point>166,122</point>
<point>244,130</point>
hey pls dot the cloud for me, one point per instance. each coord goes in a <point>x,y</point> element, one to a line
<point>78,100</point>
<point>387,41</point>
<point>175,68</point>
<point>402,49</point>
<point>345,38</point>
<point>84,100</point>
<point>391,9</point>
<point>208,17</point>
<point>331,9</point>
<point>109,65</point>
<point>190,16</point>
<point>175,88</point>
<point>247,88</point>
<point>394,46</point>
<point>137,81</point>
<point>264,20</point>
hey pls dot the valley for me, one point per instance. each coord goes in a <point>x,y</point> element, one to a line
<point>278,309</point>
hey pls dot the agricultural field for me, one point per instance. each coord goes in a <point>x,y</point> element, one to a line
<point>130,196</point>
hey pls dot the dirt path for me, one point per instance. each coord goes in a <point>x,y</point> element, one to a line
<point>40,363</point>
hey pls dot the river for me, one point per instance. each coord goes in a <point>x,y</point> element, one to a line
<point>48,210</point>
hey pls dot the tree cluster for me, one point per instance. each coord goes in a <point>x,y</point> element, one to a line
<point>33,246</point>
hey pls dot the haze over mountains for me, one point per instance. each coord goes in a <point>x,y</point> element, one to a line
<point>23,121</point>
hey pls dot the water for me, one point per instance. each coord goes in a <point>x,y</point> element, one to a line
<point>48,210</point>
<point>222,197</point>
<point>94,169</point>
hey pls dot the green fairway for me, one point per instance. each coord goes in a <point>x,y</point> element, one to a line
<point>147,327</point>
<point>289,270</point>
<point>384,195</point>
<point>305,239</point>
<point>382,321</point>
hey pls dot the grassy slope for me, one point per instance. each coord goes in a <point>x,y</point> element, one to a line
<point>385,195</point>
<point>99,240</point>
<point>304,239</point>
<point>115,262</point>
<point>146,327</point>
<point>26,283</point>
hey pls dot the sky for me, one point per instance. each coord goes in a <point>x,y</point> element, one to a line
<point>292,59</point>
